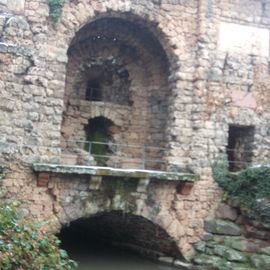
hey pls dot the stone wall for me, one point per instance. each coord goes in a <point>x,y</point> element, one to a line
<point>233,241</point>
<point>160,202</point>
<point>208,87</point>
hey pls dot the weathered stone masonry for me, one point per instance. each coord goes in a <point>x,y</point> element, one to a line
<point>183,82</point>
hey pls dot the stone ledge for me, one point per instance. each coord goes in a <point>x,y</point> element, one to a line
<point>15,49</point>
<point>107,171</point>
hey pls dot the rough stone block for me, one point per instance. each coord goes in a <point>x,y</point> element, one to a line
<point>229,253</point>
<point>261,261</point>
<point>265,250</point>
<point>16,5</point>
<point>210,260</point>
<point>200,246</point>
<point>243,99</point>
<point>95,182</point>
<point>7,105</point>
<point>142,186</point>
<point>182,265</point>
<point>224,211</point>
<point>218,226</point>
<point>253,232</point>
<point>3,2</point>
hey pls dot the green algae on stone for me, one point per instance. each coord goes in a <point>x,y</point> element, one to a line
<point>210,261</point>
<point>260,261</point>
<point>2,172</point>
<point>236,243</point>
<point>265,251</point>
<point>229,253</point>
<point>55,10</point>
<point>200,246</point>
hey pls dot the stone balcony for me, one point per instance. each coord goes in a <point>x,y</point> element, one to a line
<point>184,181</point>
<point>115,172</point>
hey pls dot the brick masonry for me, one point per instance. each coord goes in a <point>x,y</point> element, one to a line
<point>186,89</point>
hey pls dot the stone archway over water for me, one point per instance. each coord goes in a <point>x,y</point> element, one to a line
<point>85,236</point>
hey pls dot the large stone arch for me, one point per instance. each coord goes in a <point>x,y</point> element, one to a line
<point>107,46</point>
<point>78,198</point>
<point>146,14</point>
<point>119,229</point>
<point>150,15</point>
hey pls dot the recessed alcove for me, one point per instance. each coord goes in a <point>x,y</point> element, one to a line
<point>93,91</point>
<point>118,70</point>
<point>240,146</point>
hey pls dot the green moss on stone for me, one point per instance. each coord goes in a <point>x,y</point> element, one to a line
<point>55,9</point>
<point>119,189</point>
<point>2,172</point>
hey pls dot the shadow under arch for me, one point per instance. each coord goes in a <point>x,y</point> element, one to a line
<point>133,34</point>
<point>120,231</point>
<point>149,24</point>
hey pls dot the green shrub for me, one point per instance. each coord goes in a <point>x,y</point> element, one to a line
<point>55,7</point>
<point>23,245</point>
<point>250,187</point>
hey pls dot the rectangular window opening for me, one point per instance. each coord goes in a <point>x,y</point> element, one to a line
<point>240,147</point>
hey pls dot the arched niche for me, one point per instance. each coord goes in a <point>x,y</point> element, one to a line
<point>117,67</point>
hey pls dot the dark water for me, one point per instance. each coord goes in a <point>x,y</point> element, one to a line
<point>109,258</point>
<point>92,245</point>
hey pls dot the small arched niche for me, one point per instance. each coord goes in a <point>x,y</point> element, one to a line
<point>99,137</point>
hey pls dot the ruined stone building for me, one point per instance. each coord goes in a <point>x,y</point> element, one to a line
<point>123,105</point>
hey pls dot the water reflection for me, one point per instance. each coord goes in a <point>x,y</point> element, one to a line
<point>106,258</point>
<point>91,242</point>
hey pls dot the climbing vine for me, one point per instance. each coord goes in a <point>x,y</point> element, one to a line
<point>250,188</point>
<point>55,7</point>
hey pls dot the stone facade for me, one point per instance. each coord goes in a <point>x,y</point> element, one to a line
<point>232,241</point>
<point>181,88</point>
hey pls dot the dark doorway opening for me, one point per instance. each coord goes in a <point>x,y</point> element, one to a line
<point>98,134</point>
<point>240,147</point>
<point>93,91</point>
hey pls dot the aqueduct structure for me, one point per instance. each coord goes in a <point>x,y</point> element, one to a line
<point>121,107</point>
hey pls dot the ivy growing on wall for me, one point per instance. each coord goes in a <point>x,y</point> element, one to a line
<point>55,7</point>
<point>250,188</point>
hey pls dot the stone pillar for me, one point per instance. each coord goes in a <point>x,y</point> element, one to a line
<point>204,129</point>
